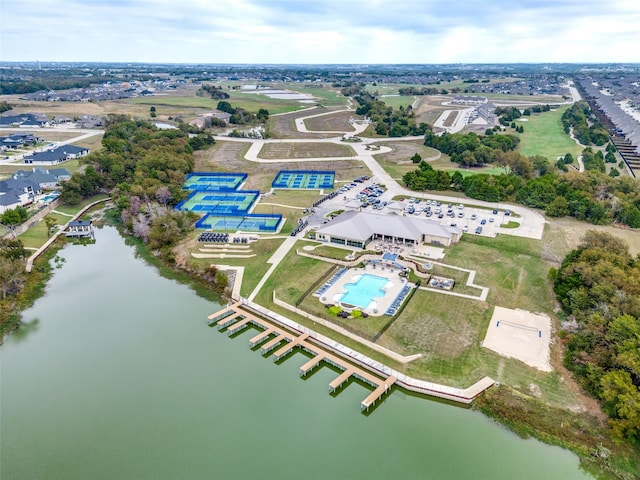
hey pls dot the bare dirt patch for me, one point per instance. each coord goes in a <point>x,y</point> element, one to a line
<point>561,235</point>
<point>429,108</point>
<point>274,151</point>
<point>451,118</point>
<point>338,122</point>
<point>284,126</point>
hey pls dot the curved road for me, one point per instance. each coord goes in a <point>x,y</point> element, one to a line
<point>531,223</point>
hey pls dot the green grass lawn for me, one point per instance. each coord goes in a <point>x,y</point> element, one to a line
<point>37,235</point>
<point>544,135</point>
<point>194,101</point>
<point>329,97</point>
<point>397,101</point>
<point>446,330</point>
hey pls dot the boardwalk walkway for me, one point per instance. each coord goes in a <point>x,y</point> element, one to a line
<point>281,332</point>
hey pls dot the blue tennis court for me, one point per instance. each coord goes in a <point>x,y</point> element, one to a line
<point>247,223</point>
<point>220,203</point>
<point>214,181</point>
<point>311,179</point>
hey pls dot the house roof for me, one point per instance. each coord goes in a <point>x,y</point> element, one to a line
<point>59,153</point>
<point>80,223</point>
<point>361,226</point>
<point>10,198</point>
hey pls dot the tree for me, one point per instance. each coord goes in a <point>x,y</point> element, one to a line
<point>14,216</point>
<point>225,106</point>
<point>621,401</point>
<point>416,158</point>
<point>559,207</point>
<point>11,275</point>
<point>152,112</point>
<point>163,194</point>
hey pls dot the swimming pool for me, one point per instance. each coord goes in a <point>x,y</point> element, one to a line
<point>364,290</point>
<point>50,197</point>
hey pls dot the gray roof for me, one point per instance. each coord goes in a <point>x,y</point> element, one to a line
<point>10,198</point>
<point>59,153</point>
<point>361,226</point>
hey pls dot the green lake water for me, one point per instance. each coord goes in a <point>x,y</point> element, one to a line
<point>118,376</point>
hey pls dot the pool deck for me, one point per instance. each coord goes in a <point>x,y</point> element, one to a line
<point>381,303</point>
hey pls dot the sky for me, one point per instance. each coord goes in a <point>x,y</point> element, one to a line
<point>321,31</point>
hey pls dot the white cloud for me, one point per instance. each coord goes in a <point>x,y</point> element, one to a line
<point>320,31</point>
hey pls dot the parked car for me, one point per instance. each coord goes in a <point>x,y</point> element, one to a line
<point>479,230</point>
<point>483,221</point>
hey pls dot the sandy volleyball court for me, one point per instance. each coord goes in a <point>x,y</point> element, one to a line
<point>521,335</point>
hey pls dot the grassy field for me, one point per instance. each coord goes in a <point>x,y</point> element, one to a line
<point>38,234</point>
<point>327,96</point>
<point>396,101</point>
<point>446,330</point>
<point>274,151</point>
<point>544,135</point>
<point>255,267</point>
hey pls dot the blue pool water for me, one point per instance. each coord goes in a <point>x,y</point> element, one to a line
<point>50,197</point>
<point>364,290</point>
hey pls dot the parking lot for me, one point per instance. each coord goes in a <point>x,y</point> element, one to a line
<point>369,196</point>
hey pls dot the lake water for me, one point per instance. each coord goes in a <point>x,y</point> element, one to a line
<point>118,376</point>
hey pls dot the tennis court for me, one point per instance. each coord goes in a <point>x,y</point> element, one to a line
<point>311,179</point>
<point>220,203</point>
<point>213,181</point>
<point>246,223</point>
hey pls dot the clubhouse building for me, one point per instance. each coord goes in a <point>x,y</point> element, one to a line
<point>358,229</point>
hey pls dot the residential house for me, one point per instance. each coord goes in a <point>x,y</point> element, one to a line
<point>16,192</point>
<point>56,155</point>
<point>47,179</point>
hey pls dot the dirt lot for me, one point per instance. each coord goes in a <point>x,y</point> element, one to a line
<point>284,126</point>
<point>274,151</point>
<point>429,108</point>
<point>562,235</point>
<point>338,122</point>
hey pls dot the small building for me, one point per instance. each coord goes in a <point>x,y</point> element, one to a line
<point>80,229</point>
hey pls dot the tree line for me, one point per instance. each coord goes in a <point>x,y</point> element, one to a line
<point>240,116</point>
<point>387,120</point>
<point>143,168</point>
<point>216,92</point>
<point>586,126</point>
<point>591,196</point>
<point>598,286</point>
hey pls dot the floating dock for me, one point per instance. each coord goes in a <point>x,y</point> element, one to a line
<point>234,319</point>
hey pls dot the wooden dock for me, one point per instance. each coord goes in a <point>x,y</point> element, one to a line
<point>261,337</point>
<point>236,327</point>
<point>234,319</point>
<point>377,393</point>
<point>285,349</point>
